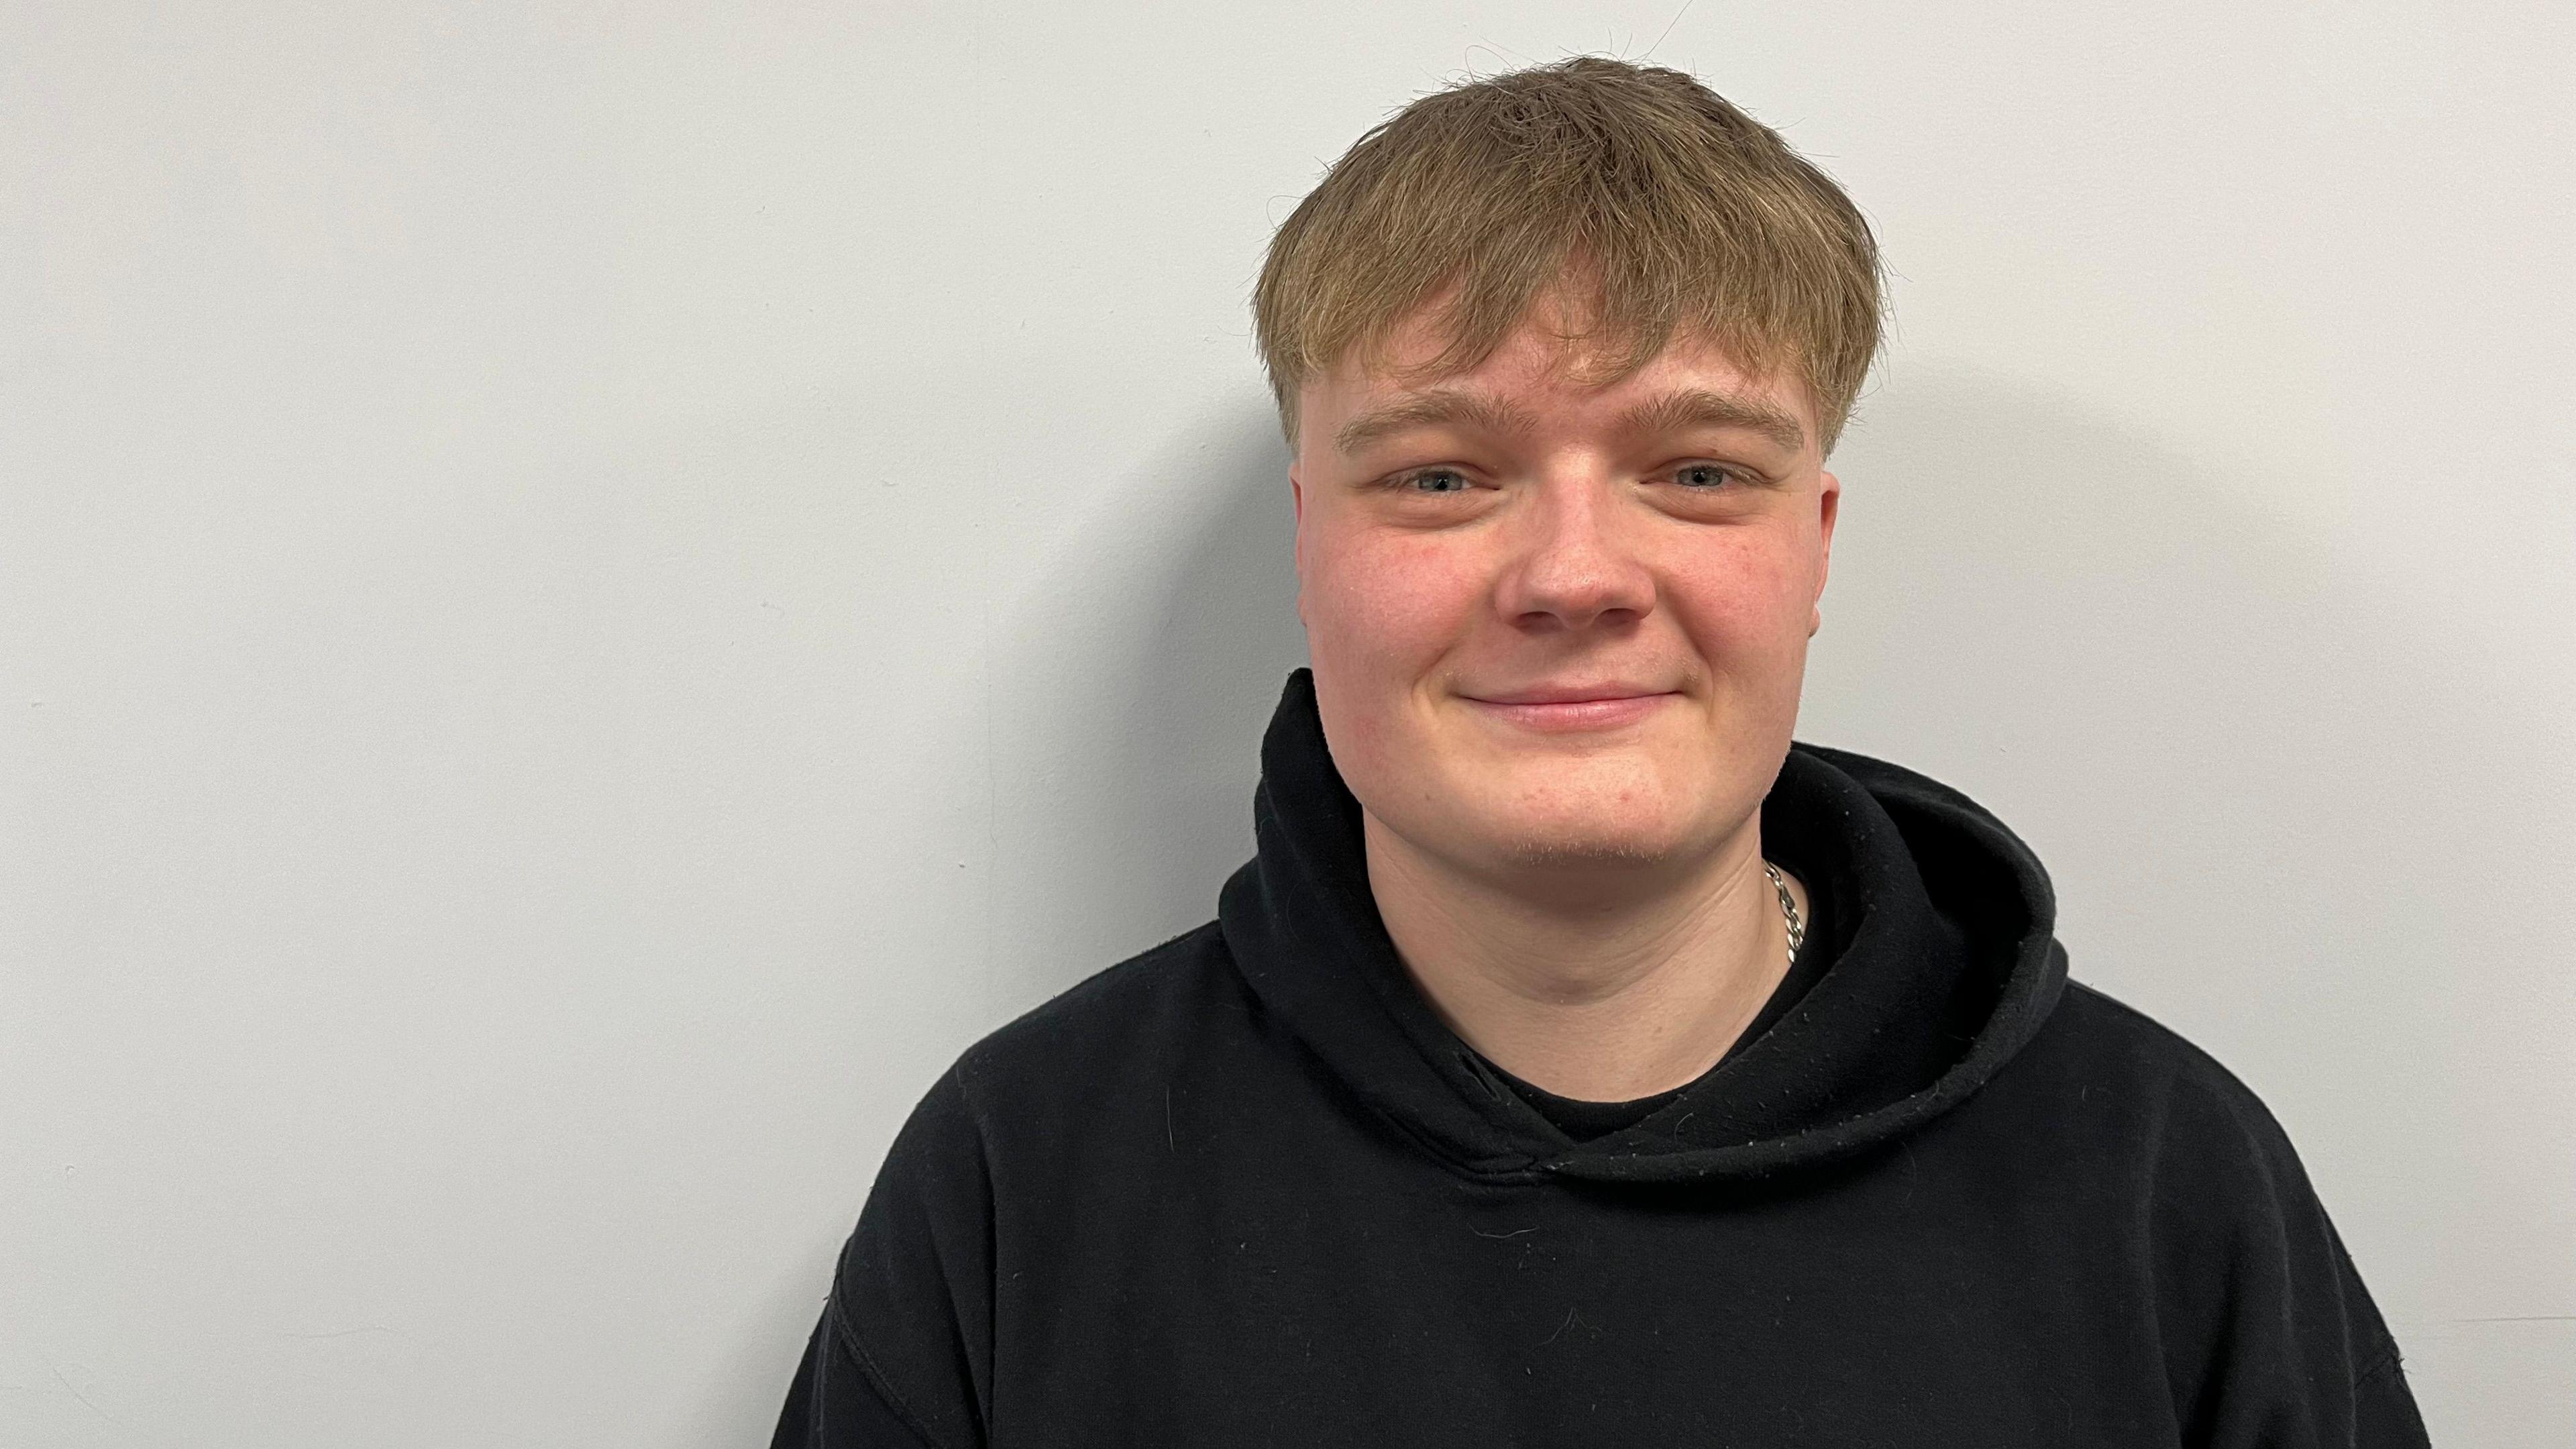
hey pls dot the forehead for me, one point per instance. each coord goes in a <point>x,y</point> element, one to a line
<point>1537,379</point>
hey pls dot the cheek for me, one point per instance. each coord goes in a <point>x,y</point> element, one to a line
<point>1739,598</point>
<point>1388,602</point>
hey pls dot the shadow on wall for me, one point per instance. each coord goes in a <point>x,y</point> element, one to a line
<point>1141,723</point>
<point>750,1384</point>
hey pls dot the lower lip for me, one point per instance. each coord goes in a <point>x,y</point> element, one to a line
<point>1583,714</point>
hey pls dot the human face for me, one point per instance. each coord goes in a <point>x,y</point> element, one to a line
<point>1657,546</point>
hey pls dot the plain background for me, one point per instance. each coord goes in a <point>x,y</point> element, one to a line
<point>588,594</point>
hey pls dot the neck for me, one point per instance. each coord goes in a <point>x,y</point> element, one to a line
<point>1605,996</point>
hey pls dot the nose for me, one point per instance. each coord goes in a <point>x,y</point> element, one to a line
<point>1573,562</point>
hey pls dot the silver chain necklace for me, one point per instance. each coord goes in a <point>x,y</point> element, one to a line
<point>1788,910</point>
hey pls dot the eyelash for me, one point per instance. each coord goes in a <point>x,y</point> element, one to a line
<point>1743,479</point>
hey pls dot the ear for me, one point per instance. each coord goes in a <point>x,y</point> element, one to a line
<point>1829,501</point>
<point>1297,501</point>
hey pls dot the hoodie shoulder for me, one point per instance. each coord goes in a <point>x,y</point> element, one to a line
<point>2253,1277</point>
<point>910,1317</point>
<point>2096,1043</point>
<point>2105,1021</point>
<point>2124,1042</point>
<point>2106,1083</point>
<point>1128,1018</point>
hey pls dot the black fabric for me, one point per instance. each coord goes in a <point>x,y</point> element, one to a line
<point>833,1402</point>
<point>1246,1188</point>
<point>1583,1120</point>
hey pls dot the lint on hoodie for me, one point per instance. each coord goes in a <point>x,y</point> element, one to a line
<point>1247,1189</point>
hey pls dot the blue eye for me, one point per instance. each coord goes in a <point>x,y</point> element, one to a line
<point>1407,480</point>
<point>1717,474</point>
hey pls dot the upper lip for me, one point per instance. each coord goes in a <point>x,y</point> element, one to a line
<point>1569,693</point>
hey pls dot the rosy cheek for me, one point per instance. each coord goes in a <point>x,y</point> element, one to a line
<point>1746,582</point>
<point>1733,604</point>
<point>1398,594</point>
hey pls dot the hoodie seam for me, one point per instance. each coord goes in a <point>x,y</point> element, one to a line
<point>2384,1362</point>
<point>848,1334</point>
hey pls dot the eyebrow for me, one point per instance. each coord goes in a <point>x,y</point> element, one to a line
<point>1700,407</point>
<point>1690,407</point>
<point>1432,409</point>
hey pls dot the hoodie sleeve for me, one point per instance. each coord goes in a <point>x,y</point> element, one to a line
<point>2271,1340</point>
<point>833,1405</point>
<point>903,1352</point>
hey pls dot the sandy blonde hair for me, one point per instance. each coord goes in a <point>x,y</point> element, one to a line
<point>1680,213</point>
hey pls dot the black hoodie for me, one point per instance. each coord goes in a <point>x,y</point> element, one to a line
<point>1247,1189</point>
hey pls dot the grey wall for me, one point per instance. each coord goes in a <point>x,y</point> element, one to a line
<point>587,594</point>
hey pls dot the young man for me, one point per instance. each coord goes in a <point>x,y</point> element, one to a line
<point>1579,1060</point>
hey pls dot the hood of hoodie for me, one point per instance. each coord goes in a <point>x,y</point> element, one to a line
<point>1950,966</point>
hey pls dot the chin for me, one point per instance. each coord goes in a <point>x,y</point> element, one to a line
<point>1551,853</point>
<point>1589,837</point>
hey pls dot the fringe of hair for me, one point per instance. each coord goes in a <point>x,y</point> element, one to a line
<point>1677,213</point>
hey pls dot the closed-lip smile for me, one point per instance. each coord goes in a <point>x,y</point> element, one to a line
<point>1559,707</point>
<point>1568,693</point>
